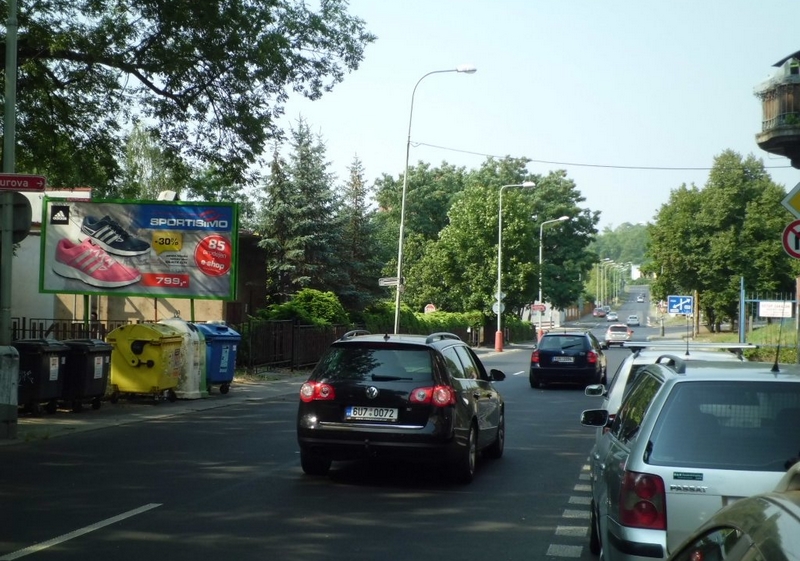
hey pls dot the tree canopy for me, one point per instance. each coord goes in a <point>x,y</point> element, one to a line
<point>207,78</point>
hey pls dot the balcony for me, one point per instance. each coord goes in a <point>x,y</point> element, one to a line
<point>780,101</point>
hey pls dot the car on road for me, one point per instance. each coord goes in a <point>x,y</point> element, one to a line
<point>765,526</point>
<point>687,440</point>
<point>568,356</point>
<point>640,298</point>
<point>599,313</point>
<point>612,316</point>
<point>632,321</point>
<point>617,334</point>
<point>412,397</point>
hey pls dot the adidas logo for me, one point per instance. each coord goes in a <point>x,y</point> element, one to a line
<point>60,217</point>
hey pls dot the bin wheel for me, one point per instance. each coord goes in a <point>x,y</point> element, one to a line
<point>172,396</point>
<point>77,406</point>
<point>114,398</point>
<point>34,408</point>
<point>96,403</point>
<point>51,407</point>
<point>224,388</point>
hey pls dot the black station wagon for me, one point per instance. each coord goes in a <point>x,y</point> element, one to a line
<point>411,397</point>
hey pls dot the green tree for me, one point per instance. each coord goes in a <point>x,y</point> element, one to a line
<point>210,75</point>
<point>145,170</point>
<point>707,240</point>
<point>359,251</point>
<point>458,271</point>
<point>315,216</point>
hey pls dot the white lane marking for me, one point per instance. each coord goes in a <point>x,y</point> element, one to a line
<point>585,488</point>
<point>580,500</point>
<point>584,477</point>
<point>85,530</point>
<point>572,531</point>
<point>582,514</point>
<point>564,550</point>
<point>518,373</point>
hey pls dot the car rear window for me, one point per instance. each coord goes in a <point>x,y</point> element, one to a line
<point>562,342</point>
<point>618,329</point>
<point>753,426</point>
<point>349,362</point>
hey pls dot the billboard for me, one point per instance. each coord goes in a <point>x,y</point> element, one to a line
<point>159,249</point>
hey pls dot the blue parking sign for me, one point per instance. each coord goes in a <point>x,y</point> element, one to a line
<point>680,304</point>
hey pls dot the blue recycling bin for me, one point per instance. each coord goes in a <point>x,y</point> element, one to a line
<point>221,345</point>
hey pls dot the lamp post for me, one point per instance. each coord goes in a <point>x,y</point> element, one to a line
<point>541,232</point>
<point>604,279</point>
<point>498,336</point>
<point>464,69</point>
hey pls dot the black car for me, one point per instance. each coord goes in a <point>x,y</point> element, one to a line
<point>568,357</point>
<point>411,397</point>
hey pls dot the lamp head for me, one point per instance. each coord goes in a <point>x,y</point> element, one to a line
<point>562,218</point>
<point>528,184</point>
<point>466,69</point>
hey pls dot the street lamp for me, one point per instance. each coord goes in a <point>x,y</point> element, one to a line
<point>498,336</point>
<point>541,231</point>
<point>464,69</point>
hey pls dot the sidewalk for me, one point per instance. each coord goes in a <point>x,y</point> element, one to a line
<point>64,422</point>
<point>31,428</point>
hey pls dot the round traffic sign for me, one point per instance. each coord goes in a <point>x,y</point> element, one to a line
<point>791,239</point>
<point>498,306</point>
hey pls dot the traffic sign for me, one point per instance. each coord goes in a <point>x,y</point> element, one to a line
<point>21,182</point>
<point>538,307</point>
<point>791,239</point>
<point>680,304</point>
<point>498,307</point>
<point>22,216</point>
<point>791,202</point>
<point>430,308</point>
<point>387,281</point>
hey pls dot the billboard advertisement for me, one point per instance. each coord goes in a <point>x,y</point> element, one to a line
<point>159,249</point>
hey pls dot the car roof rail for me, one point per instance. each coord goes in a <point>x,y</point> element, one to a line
<point>791,479</point>
<point>736,348</point>
<point>441,335</point>
<point>355,333</point>
<point>675,362</point>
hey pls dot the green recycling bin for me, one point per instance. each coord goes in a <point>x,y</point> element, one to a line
<point>86,373</point>
<point>147,358</point>
<point>41,373</point>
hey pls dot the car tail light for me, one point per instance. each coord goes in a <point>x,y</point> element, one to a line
<point>591,357</point>
<point>642,501</point>
<point>316,391</point>
<point>535,357</point>
<point>439,396</point>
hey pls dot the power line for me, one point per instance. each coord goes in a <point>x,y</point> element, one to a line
<point>578,164</point>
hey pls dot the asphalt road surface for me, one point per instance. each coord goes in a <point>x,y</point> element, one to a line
<point>226,483</point>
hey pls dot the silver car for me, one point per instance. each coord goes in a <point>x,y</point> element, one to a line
<point>761,527</point>
<point>688,440</point>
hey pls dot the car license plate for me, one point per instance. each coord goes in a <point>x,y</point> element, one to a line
<point>384,414</point>
<point>563,359</point>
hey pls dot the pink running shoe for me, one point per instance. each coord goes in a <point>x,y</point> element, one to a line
<point>91,264</point>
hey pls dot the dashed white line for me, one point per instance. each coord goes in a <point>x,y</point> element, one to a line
<point>556,550</point>
<point>576,514</point>
<point>572,531</point>
<point>85,530</point>
<point>580,501</point>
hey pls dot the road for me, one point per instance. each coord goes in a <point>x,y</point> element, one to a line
<point>226,484</point>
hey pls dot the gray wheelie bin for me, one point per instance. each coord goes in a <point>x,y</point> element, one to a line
<point>41,373</point>
<point>87,371</point>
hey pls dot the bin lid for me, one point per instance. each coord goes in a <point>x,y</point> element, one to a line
<point>40,345</point>
<point>180,324</point>
<point>154,333</point>
<point>88,344</point>
<point>217,330</point>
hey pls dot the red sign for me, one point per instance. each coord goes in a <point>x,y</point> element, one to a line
<point>21,182</point>
<point>791,239</point>
<point>538,307</point>
<point>430,308</point>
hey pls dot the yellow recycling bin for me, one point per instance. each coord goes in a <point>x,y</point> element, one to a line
<point>147,358</point>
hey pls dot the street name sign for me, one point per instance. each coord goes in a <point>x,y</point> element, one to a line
<point>680,304</point>
<point>21,182</point>
<point>538,307</point>
<point>791,239</point>
<point>387,281</point>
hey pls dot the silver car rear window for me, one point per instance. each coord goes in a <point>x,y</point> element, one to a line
<point>734,425</point>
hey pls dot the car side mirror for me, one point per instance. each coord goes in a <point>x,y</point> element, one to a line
<point>497,375</point>
<point>595,390</point>
<point>594,418</point>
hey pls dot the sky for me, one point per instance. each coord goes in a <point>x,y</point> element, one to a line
<point>632,98</point>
